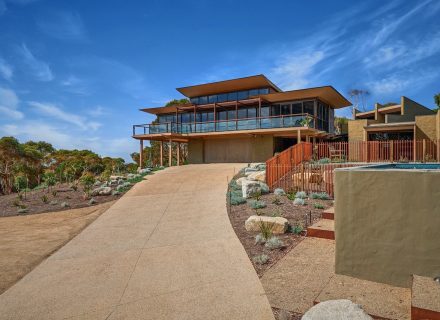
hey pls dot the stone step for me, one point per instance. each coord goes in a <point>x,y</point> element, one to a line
<point>324,229</point>
<point>425,298</point>
<point>329,213</point>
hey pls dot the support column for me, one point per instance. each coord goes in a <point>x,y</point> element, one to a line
<point>178,153</point>
<point>307,138</point>
<point>170,154</point>
<point>161,153</point>
<point>314,140</point>
<point>141,153</point>
<point>298,136</point>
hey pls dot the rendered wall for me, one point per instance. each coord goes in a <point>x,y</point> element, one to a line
<point>195,151</point>
<point>413,108</point>
<point>356,131</point>
<point>387,224</point>
<point>426,127</point>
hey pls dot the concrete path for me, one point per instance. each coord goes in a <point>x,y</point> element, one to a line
<point>166,250</point>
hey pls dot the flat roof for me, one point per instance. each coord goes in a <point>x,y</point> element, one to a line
<point>246,83</point>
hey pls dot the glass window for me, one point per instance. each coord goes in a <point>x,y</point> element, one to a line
<point>309,107</point>
<point>221,115</point>
<point>185,118</point>
<point>263,91</point>
<point>297,108</point>
<point>242,95</point>
<point>265,111</point>
<point>232,96</point>
<point>242,113</point>
<point>253,92</point>
<point>203,100</point>
<point>210,116</point>
<point>231,114</point>
<point>212,99</point>
<point>194,100</point>
<point>222,97</point>
<point>252,112</point>
<point>275,110</point>
<point>285,109</point>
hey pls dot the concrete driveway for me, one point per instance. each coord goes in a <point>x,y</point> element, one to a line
<point>166,250</point>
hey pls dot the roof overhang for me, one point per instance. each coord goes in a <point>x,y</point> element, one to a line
<point>326,94</point>
<point>399,126</point>
<point>246,83</point>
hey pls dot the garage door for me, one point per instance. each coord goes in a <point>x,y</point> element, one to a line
<point>228,150</point>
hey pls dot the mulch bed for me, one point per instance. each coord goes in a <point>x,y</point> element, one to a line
<point>34,203</point>
<point>296,215</point>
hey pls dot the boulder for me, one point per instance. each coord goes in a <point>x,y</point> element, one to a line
<point>92,201</point>
<point>258,175</point>
<point>336,309</point>
<point>279,192</point>
<point>250,188</point>
<point>97,183</point>
<point>65,205</point>
<point>249,170</point>
<point>115,193</point>
<point>144,171</point>
<point>279,224</point>
<point>105,191</point>
<point>239,181</point>
<point>22,211</point>
<point>96,191</point>
<point>53,203</point>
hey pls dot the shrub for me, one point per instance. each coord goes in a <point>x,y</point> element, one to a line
<point>291,195</point>
<point>277,201</point>
<point>256,195</point>
<point>22,210</point>
<point>234,186</point>
<point>324,161</point>
<point>266,230</point>
<point>264,188</point>
<point>320,195</point>
<point>274,243</point>
<point>259,239</point>
<point>299,202</point>
<point>296,229</point>
<point>74,186</point>
<point>276,213</point>
<point>87,180</point>
<point>49,179</point>
<point>260,259</point>
<point>237,200</point>
<point>20,196</point>
<point>54,193</point>
<point>255,204</point>
<point>16,203</point>
<point>279,192</point>
<point>301,195</point>
<point>318,206</point>
<point>45,199</point>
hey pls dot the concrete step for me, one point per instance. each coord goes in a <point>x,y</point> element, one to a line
<point>329,213</point>
<point>324,229</point>
<point>425,298</point>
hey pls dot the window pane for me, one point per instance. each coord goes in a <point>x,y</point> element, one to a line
<point>265,111</point>
<point>232,96</point>
<point>263,91</point>
<point>194,100</point>
<point>297,108</point>
<point>285,109</point>
<point>203,100</point>
<point>212,99</point>
<point>242,113</point>
<point>242,95</point>
<point>252,112</point>
<point>222,97</point>
<point>231,114</point>
<point>253,92</point>
<point>210,116</point>
<point>275,110</point>
<point>309,107</point>
<point>221,115</point>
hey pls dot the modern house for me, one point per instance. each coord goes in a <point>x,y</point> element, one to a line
<point>408,120</point>
<point>243,120</point>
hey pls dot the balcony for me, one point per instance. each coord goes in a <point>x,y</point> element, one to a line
<point>273,122</point>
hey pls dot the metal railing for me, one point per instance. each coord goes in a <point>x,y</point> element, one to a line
<point>282,121</point>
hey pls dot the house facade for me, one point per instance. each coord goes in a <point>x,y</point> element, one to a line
<point>243,120</point>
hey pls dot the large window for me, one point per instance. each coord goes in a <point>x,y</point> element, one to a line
<point>309,107</point>
<point>230,96</point>
<point>297,108</point>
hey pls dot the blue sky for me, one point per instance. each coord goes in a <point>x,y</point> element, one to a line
<point>75,73</point>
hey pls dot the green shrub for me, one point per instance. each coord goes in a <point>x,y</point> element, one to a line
<point>260,259</point>
<point>291,195</point>
<point>45,199</point>
<point>266,230</point>
<point>299,202</point>
<point>49,179</point>
<point>234,186</point>
<point>236,200</point>
<point>255,204</point>
<point>324,161</point>
<point>277,201</point>
<point>318,206</point>
<point>256,195</point>
<point>296,229</point>
<point>276,214</point>
<point>54,193</point>
<point>87,180</point>
<point>274,243</point>
<point>320,195</point>
<point>301,195</point>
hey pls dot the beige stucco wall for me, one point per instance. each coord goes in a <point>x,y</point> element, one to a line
<point>426,127</point>
<point>256,148</point>
<point>356,131</point>
<point>387,224</point>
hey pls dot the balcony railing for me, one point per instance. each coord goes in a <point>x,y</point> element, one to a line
<point>283,121</point>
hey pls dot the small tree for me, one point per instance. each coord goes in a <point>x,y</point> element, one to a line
<point>49,179</point>
<point>437,101</point>
<point>87,180</point>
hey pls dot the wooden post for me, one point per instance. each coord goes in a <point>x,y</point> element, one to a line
<point>414,145</point>
<point>391,151</point>
<point>178,153</point>
<point>424,150</point>
<point>298,136</point>
<point>161,153</point>
<point>170,154</point>
<point>141,153</point>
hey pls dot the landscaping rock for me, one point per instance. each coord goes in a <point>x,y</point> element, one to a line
<point>239,181</point>
<point>279,192</point>
<point>258,176</point>
<point>65,205</point>
<point>53,203</point>
<point>250,188</point>
<point>92,201</point>
<point>97,183</point>
<point>115,193</point>
<point>96,191</point>
<point>105,191</point>
<point>249,170</point>
<point>279,224</point>
<point>144,171</point>
<point>336,309</point>
<point>22,210</point>
<point>115,177</point>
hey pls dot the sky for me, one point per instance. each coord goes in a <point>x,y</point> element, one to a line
<point>76,73</point>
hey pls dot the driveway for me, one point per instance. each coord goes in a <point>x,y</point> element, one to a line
<point>166,250</point>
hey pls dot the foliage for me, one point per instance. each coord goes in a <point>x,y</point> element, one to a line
<point>320,195</point>
<point>261,259</point>
<point>44,198</point>
<point>233,185</point>
<point>87,180</point>
<point>236,197</point>
<point>318,205</point>
<point>299,202</point>
<point>324,161</point>
<point>297,229</point>
<point>266,230</point>
<point>177,102</point>
<point>257,195</point>
<point>274,243</point>
<point>291,195</point>
<point>257,204</point>
<point>359,96</point>
<point>437,101</point>
<point>277,201</point>
<point>276,213</point>
<point>279,192</point>
<point>301,195</point>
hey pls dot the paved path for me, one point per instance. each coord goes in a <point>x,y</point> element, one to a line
<point>166,250</point>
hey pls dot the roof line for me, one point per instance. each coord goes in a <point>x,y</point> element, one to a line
<point>319,87</point>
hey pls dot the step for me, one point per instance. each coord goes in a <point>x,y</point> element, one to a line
<point>425,298</point>
<point>329,213</point>
<point>324,229</point>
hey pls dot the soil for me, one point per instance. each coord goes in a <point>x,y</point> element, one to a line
<point>34,203</point>
<point>28,240</point>
<point>285,315</point>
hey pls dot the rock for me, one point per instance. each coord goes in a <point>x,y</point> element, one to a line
<point>116,177</point>
<point>279,192</point>
<point>105,191</point>
<point>22,210</point>
<point>144,171</point>
<point>65,205</point>
<point>131,175</point>
<point>336,309</point>
<point>115,193</point>
<point>249,170</point>
<point>258,175</point>
<point>250,188</point>
<point>96,191</point>
<point>279,224</point>
<point>53,203</point>
<point>92,201</point>
<point>97,183</point>
<point>239,181</point>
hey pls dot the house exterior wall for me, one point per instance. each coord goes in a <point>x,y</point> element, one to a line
<point>195,151</point>
<point>396,235</point>
<point>356,131</point>
<point>412,108</point>
<point>426,127</point>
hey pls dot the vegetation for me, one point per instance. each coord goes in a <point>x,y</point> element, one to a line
<point>297,229</point>
<point>299,202</point>
<point>437,101</point>
<point>301,195</point>
<point>359,96</point>
<point>265,232</point>
<point>319,195</point>
<point>261,259</point>
<point>277,201</point>
<point>318,206</point>
<point>257,204</point>
<point>274,243</point>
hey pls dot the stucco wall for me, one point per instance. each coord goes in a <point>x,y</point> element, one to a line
<point>413,108</point>
<point>356,131</point>
<point>426,127</point>
<point>195,151</point>
<point>387,224</point>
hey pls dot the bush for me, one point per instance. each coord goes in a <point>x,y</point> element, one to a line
<point>255,204</point>
<point>324,161</point>
<point>234,186</point>
<point>87,180</point>
<point>277,201</point>
<point>266,230</point>
<point>259,239</point>
<point>276,214</point>
<point>49,179</point>
<point>299,202</point>
<point>45,199</point>
<point>54,193</point>
<point>274,243</point>
<point>279,192</point>
<point>237,200</point>
<point>296,229</point>
<point>264,188</point>
<point>74,186</point>
<point>291,195</point>
<point>256,195</point>
<point>318,206</point>
<point>260,259</point>
<point>320,195</point>
<point>301,195</point>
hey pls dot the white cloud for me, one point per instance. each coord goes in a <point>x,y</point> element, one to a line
<point>76,85</point>
<point>5,70</point>
<point>56,112</point>
<point>40,69</point>
<point>398,83</point>
<point>62,25</point>
<point>97,111</point>
<point>9,103</point>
